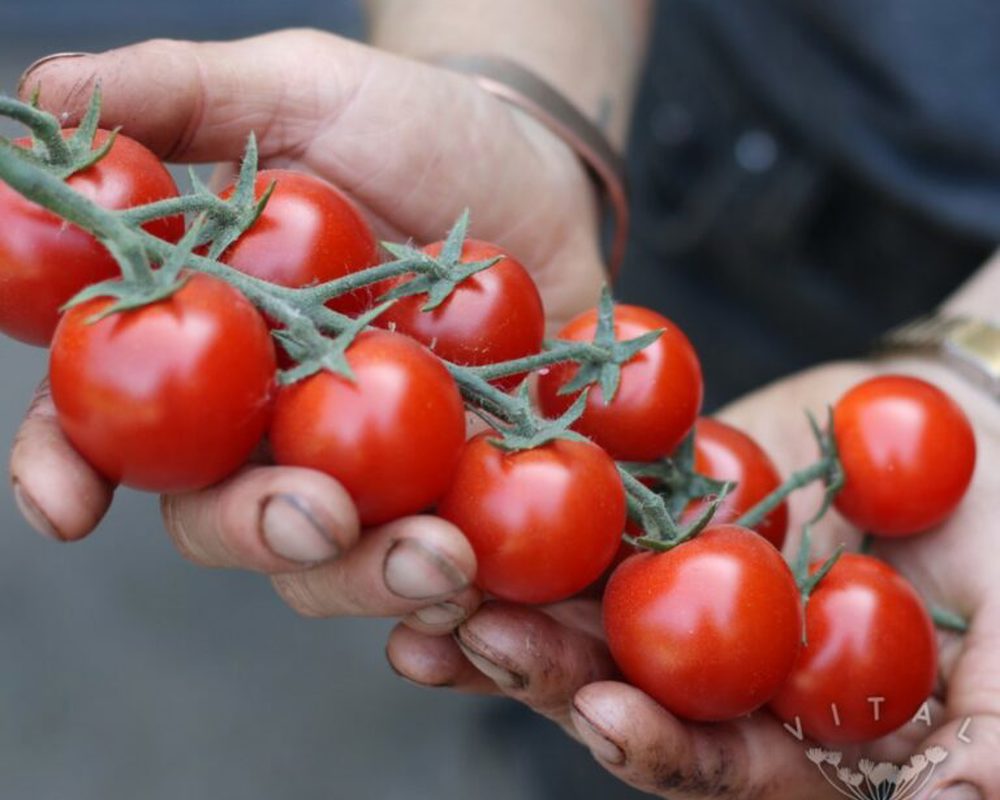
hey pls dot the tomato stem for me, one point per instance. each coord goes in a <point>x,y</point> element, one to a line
<point>44,127</point>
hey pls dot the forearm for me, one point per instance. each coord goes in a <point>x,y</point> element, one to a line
<point>590,50</point>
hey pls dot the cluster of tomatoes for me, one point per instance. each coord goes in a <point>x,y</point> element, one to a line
<point>178,394</point>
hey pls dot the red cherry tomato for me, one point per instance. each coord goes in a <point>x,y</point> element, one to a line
<point>657,400</point>
<point>169,397</point>
<point>908,452</point>
<point>494,315</point>
<point>544,523</point>
<point>710,629</point>
<point>309,232</point>
<point>871,656</point>
<point>728,454</point>
<point>44,261</point>
<point>392,437</point>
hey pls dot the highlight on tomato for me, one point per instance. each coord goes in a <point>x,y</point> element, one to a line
<point>45,261</point>
<point>871,655</point>
<point>908,453</point>
<point>169,397</point>
<point>493,315</point>
<point>658,396</point>
<point>391,434</point>
<point>711,628</point>
<point>544,522</point>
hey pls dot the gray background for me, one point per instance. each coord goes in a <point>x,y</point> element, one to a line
<point>127,673</point>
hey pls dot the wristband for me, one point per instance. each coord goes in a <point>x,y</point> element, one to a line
<point>524,89</point>
<point>971,346</point>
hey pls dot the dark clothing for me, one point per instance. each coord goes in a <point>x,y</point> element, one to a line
<point>806,175</point>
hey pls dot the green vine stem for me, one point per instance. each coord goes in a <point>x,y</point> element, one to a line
<point>311,329</point>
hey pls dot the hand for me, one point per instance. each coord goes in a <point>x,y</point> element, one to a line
<point>555,660</point>
<point>413,145</point>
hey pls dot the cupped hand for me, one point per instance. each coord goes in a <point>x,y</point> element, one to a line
<point>413,145</point>
<point>555,660</point>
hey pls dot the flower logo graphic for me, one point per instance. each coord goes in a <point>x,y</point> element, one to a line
<point>883,781</point>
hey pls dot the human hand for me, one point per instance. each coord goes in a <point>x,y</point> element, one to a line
<point>556,662</point>
<point>413,145</point>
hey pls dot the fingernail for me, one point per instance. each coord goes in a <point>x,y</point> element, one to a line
<point>958,791</point>
<point>292,530</point>
<point>441,614</point>
<point>598,743</point>
<point>416,572</point>
<point>45,60</point>
<point>501,676</point>
<point>33,513</point>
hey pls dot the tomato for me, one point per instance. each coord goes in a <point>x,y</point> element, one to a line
<point>392,437</point>
<point>308,232</point>
<point>710,629</point>
<point>169,397</point>
<point>728,454</point>
<point>494,315</point>
<point>44,261</point>
<point>908,453</point>
<point>657,400</point>
<point>871,657</point>
<point>544,523</point>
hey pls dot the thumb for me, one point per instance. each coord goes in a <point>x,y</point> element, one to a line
<point>199,101</point>
<point>969,741</point>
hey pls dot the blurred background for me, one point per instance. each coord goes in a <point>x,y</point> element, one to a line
<point>127,672</point>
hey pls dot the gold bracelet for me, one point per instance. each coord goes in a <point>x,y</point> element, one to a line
<point>522,88</point>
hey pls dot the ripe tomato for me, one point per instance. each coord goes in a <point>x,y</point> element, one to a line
<point>908,452</point>
<point>657,400</point>
<point>710,629</point>
<point>309,232</point>
<point>728,454</point>
<point>44,261</point>
<point>392,437</point>
<point>494,315</point>
<point>544,523</point>
<point>169,397</point>
<point>871,656</point>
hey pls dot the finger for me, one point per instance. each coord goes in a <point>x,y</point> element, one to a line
<point>57,491</point>
<point>395,569</point>
<point>434,661</point>
<point>969,741</point>
<point>269,519</point>
<point>644,745</point>
<point>442,618</point>
<point>187,100</point>
<point>532,657</point>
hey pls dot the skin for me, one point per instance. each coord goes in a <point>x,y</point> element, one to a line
<point>177,98</point>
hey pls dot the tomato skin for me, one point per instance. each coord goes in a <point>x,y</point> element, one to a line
<point>170,397</point>
<point>657,400</point>
<point>726,453</point>
<point>869,635</point>
<point>494,315</point>
<point>308,233</point>
<point>544,523</point>
<point>45,261</point>
<point>908,453</point>
<point>392,437</point>
<point>710,629</point>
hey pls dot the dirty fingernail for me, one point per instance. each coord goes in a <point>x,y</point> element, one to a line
<point>502,676</point>
<point>293,530</point>
<point>33,513</point>
<point>440,614</point>
<point>45,60</point>
<point>600,745</point>
<point>416,572</point>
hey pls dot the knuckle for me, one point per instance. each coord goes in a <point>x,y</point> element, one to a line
<point>179,534</point>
